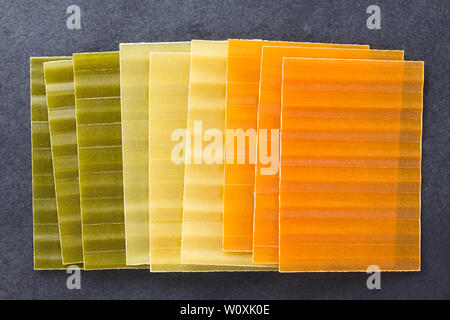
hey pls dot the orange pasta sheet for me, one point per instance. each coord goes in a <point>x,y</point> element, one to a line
<point>243,71</point>
<point>350,165</point>
<point>265,236</point>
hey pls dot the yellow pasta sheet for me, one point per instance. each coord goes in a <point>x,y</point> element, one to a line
<point>168,97</point>
<point>204,176</point>
<point>243,74</point>
<point>134,79</point>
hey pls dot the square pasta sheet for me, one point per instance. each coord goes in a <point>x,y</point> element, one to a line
<point>350,165</point>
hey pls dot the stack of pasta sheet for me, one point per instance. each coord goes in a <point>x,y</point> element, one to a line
<point>238,155</point>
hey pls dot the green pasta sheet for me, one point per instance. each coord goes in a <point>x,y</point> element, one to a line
<point>46,242</point>
<point>63,137</point>
<point>97,104</point>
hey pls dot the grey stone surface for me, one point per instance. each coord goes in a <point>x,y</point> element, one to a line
<point>38,28</point>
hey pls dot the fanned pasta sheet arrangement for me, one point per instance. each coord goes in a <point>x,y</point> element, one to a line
<point>235,155</point>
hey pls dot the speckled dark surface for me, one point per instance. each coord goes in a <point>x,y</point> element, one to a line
<point>38,28</point>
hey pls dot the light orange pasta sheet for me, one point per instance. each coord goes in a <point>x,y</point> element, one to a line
<point>265,235</point>
<point>243,71</point>
<point>350,165</point>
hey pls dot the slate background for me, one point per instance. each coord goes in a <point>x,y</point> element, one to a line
<point>37,28</point>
